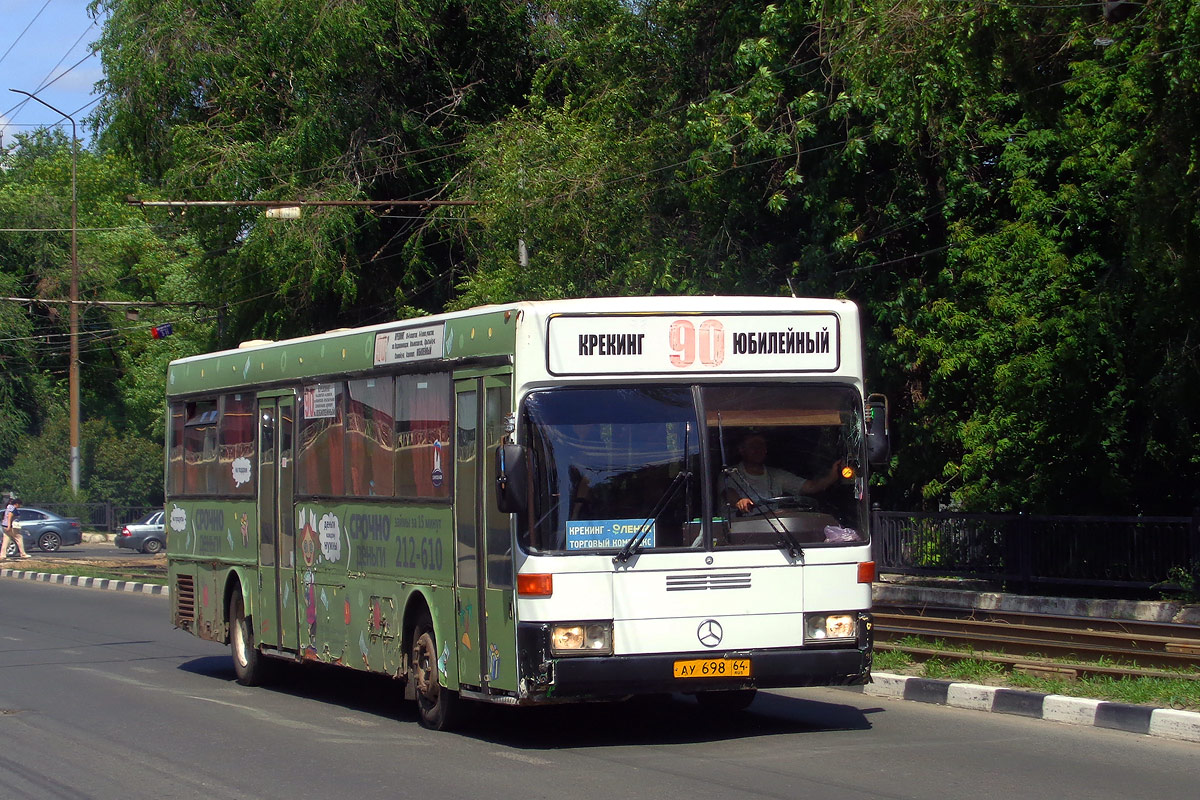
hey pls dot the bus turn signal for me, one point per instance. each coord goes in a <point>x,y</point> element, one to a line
<point>866,572</point>
<point>541,585</point>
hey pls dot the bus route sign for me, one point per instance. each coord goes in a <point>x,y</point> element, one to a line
<point>410,344</point>
<point>658,344</point>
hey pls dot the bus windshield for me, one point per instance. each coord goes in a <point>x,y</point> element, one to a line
<point>772,464</point>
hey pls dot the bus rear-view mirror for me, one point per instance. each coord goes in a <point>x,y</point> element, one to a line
<point>879,443</point>
<point>512,478</point>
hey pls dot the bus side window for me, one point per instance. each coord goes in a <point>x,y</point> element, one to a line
<point>321,458</point>
<point>424,457</point>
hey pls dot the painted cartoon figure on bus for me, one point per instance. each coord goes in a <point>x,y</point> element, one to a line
<point>752,482</point>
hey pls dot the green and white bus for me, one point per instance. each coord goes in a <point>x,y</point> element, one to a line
<point>537,502</point>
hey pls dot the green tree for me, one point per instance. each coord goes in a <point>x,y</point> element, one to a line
<point>122,469</point>
<point>1007,189</point>
<point>267,100</point>
<point>121,258</point>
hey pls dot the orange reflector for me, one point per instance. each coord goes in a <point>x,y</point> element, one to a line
<point>866,572</point>
<point>847,471</point>
<point>542,585</point>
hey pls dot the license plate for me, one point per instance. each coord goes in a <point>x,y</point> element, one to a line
<point>713,668</point>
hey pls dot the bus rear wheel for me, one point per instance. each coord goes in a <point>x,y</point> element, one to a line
<point>437,706</point>
<point>248,664</point>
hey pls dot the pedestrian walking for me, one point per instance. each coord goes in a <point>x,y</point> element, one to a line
<point>11,531</point>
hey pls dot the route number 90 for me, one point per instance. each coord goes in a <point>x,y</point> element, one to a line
<point>689,343</point>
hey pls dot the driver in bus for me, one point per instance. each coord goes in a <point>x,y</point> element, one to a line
<point>752,482</point>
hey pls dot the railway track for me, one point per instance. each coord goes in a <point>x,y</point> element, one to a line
<point>1042,644</point>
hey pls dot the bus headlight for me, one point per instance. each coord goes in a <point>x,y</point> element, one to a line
<point>581,639</point>
<point>818,627</point>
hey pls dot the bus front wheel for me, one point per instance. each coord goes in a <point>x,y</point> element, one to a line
<point>436,705</point>
<point>248,664</point>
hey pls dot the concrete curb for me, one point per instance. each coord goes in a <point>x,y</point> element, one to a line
<point>1147,720</point>
<point>85,582</point>
<point>884,593</point>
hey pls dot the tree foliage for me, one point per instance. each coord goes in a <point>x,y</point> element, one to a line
<point>1008,189</point>
<point>311,100</point>
<point>121,259</point>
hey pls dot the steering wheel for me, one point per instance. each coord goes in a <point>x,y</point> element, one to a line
<point>798,502</point>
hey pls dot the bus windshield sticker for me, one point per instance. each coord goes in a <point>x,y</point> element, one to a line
<point>599,534</point>
<point>410,344</point>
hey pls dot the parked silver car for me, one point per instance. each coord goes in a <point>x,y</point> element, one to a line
<point>45,529</point>
<point>147,535</point>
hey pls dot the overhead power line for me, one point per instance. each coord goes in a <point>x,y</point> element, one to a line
<point>133,201</point>
<point>138,303</point>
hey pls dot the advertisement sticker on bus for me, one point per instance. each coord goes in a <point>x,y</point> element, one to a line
<point>437,476</point>
<point>242,470</point>
<point>661,344</point>
<point>320,401</point>
<point>597,534</point>
<point>331,538</point>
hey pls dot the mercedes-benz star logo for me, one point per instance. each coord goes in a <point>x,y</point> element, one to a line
<point>710,633</point>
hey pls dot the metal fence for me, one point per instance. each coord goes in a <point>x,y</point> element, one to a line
<point>1023,550</point>
<point>1019,550</point>
<point>104,517</point>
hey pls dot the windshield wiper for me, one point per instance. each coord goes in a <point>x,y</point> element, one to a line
<point>644,529</point>
<point>768,513</point>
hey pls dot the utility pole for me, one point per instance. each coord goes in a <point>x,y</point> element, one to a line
<point>73,371</point>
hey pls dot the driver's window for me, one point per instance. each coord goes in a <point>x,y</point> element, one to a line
<point>789,459</point>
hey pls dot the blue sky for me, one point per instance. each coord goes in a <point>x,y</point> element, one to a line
<point>43,41</point>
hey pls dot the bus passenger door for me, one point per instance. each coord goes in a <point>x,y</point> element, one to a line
<point>496,582</point>
<point>470,625</point>
<point>486,629</point>
<point>275,601</point>
<point>285,540</point>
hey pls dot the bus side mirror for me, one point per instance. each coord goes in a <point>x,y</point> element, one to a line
<point>512,478</point>
<point>879,442</point>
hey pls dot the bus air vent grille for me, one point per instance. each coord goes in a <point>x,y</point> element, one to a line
<point>185,597</point>
<point>693,582</point>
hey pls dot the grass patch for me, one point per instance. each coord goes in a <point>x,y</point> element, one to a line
<point>1179,693</point>
<point>968,670</point>
<point>892,661</point>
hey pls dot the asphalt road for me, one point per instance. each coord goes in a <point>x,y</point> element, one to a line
<point>100,698</point>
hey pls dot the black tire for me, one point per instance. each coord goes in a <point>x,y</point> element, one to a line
<point>49,541</point>
<point>152,546</point>
<point>249,665</point>
<point>11,550</point>
<point>726,702</point>
<point>437,706</point>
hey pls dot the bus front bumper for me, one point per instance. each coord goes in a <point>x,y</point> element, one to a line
<point>601,677</point>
